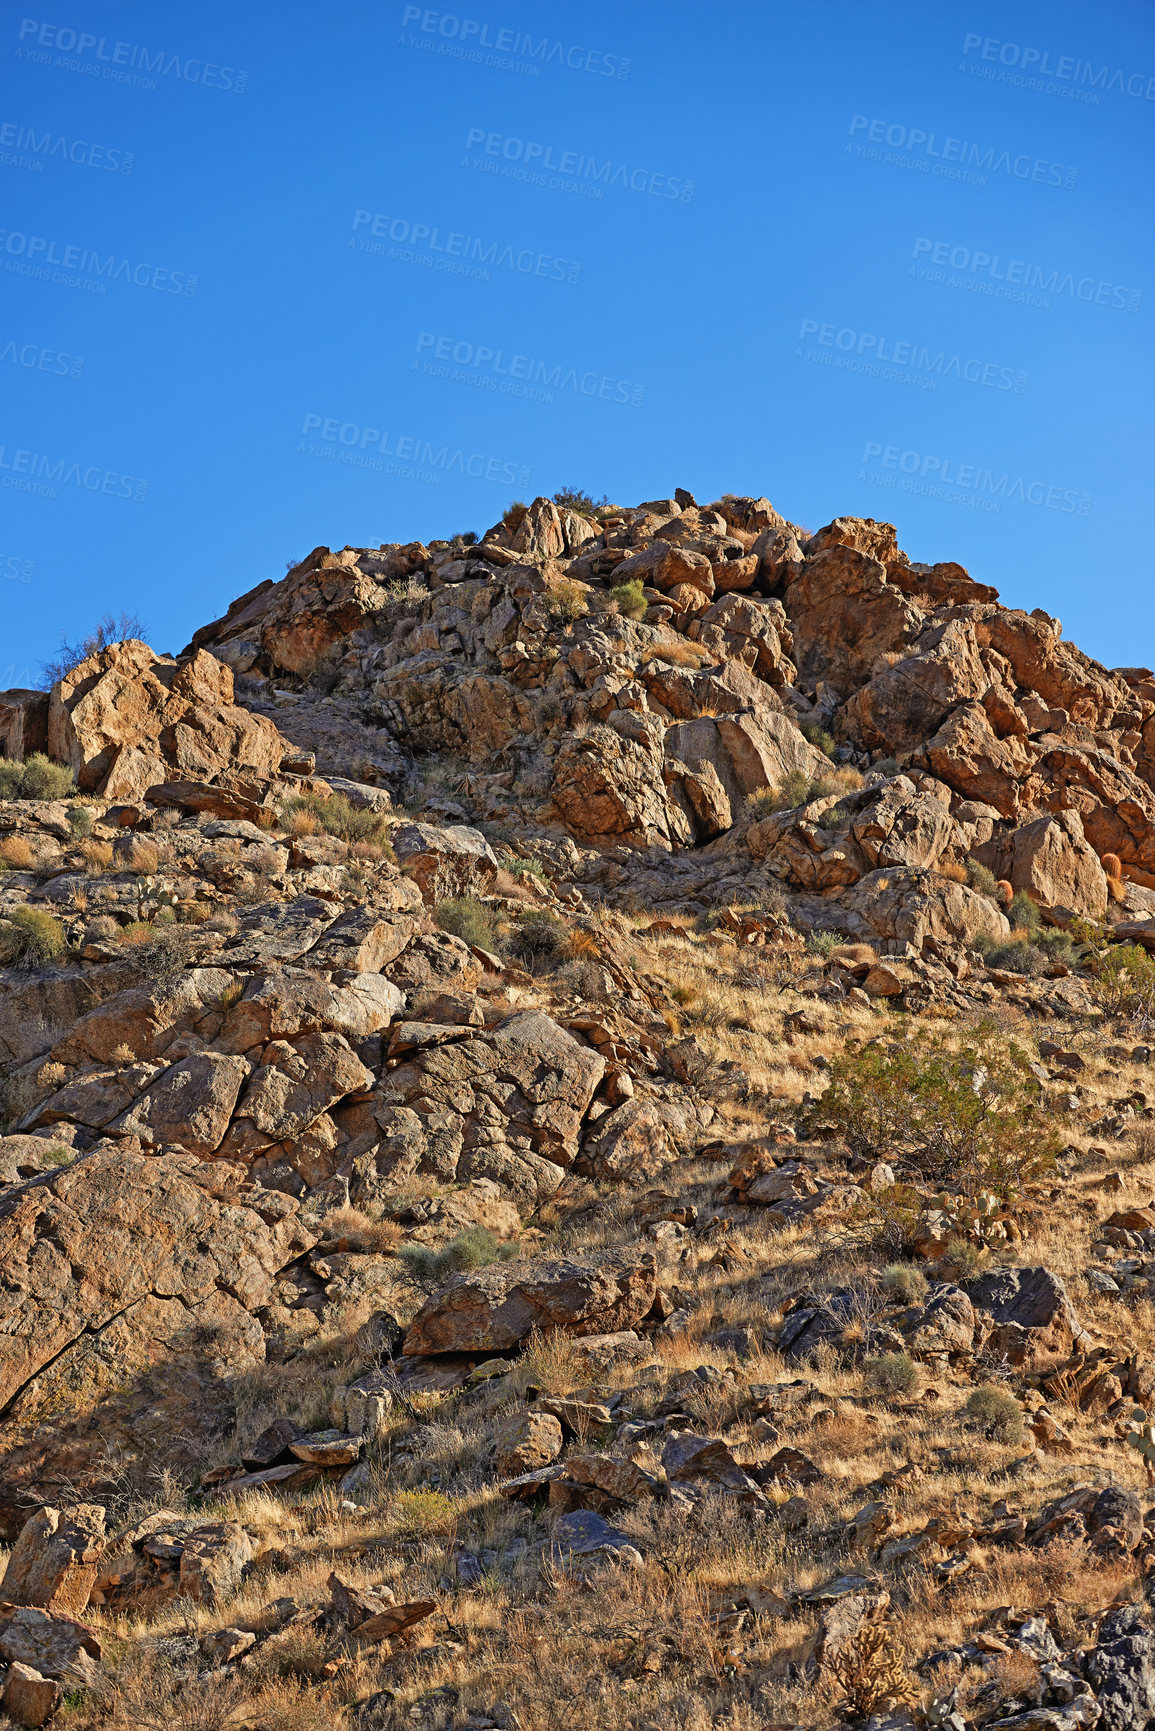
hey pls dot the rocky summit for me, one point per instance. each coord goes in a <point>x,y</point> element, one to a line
<point>576,1148</point>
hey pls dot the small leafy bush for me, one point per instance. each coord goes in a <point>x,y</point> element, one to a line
<point>36,778</point>
<point>995,1412</point>
<point>629,599</point>
<point>818,736</point>
<point>519,867</point>
<point>1024,915</point>
<point>971,1117</point>
<point>892,1373</point>
<point>1125,981</point>
<point>1016,958</point>
<point>566,602</point>
<point>79,821</point>
<point>823,944</point>
<point>574,499</point>
<point>338,816</point>
<point>465,917</point>
<point>30,937</point>
<point>904,1283</point>
<point>983,880</point>
<point>476,1247</point>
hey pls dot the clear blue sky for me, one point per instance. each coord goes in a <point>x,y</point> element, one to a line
<point>844,254</point>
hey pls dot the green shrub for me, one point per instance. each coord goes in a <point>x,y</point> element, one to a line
<point>465,538</point>
<point>1023,914</point>
<point>970,1118</point>
<point>338,816</point>
<point>995,1412</point>
<point>30,937</point>
<point>36,778</point>
<point>1015,957</point>
<point>574,499</point>
<point>904,1283</point>
<point>818,736</point>
<point>762,802</point>
<point>892,1373</point>
<point>629,599</point>
<point>823,943</point>
<point>1125,980</point>
<point>519,867</point>
<point>79,821</point>
<point>984,881</point>
<point>566,602</point>
<point>476,1247</point>
<point>465,917</point>
<point>886,767</point>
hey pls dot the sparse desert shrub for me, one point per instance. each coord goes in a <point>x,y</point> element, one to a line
<point>44,779</point>
<point>995,1412</point>
<point>575,499</point>
<point>519,867</point>
<point>79,821</point>
<point>1016,957</point>
<point>628,598</point>
<point>818,736</point>
<point>36,778</point>
<point>16,852</point>
<point>980,878</point>
<point>892,1373</point>
<point>355,1230</point>
<point>539,936</point>
<point>970,1117</point>
<point>158,956</point>
<point>466,917</point>
<point>108,630</point>
<point>122,1056</point>
<point>463,538</point>
<point>1023,914</point>
<point>30,937</point>
<point>476,1247</point>
<point>904,1283</point>
<point>761,803</point>
<point>337,816</point>
<point>1125,981</point>
<point>514,514</point>
<point>566,602</point>
<point>823,944</point>
<point>406,592</point>
<point>953,870</point>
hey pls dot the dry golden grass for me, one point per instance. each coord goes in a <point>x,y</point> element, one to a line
<point>16,852</point>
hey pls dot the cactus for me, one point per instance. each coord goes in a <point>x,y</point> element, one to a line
<point>1113,866</point>
<point>1005,890</point>
<point>151,897</point>
<point>1141,1436</point>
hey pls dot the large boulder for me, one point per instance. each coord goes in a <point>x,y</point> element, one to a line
<point>54,1561</point>
<point>454,861</point>
<point>506,1104</point>
<point>494,1309</point>
<point>1030,1319</point>
<point>1051,860</point>
<point>1121,1670</point>
<point>126,718</point>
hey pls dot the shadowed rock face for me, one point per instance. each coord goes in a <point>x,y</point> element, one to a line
<point>496,1308</point>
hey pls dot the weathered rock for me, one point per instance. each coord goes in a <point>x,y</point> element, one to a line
<point>189,1105</point>
<point>1032,1319</point>
<point>213,1561</point>
<point>28,1697</point>
<point>1051,860</point>
<point>55,1646</point>
<point>54,1561</point>
<point>125,719</point>
<point>443,863</point>
<point>1121,1670</point>
<point>946,1323</point>
<point>494,1309</point>
<point>531,1439</point>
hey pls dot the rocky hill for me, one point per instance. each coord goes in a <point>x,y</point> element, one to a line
<point>576,1148</point>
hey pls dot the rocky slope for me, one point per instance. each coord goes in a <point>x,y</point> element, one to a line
<point>575,1127</point>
